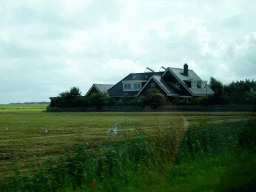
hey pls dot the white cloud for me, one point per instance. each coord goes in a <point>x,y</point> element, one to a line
<point>60,44</point>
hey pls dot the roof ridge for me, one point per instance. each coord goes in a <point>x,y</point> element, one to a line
<point>179,68</point>
<point>102,84</point>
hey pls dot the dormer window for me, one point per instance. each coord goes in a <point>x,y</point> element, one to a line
<point>136,86</point>
<point>127,86</point>
<point>199,84</point>
<point>193,84</point>
<point>153,84</point>
<point>133,86</point>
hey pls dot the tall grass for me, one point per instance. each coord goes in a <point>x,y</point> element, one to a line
<point>113,164</point>
<point>210,158</point>
<point>216,158</point>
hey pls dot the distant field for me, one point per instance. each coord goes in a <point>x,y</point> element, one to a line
<point>26,138</point>
<point>19,108</point>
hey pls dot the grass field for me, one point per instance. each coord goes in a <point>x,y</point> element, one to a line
<point>26,140</point>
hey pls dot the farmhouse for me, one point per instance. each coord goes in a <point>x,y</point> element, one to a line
<point>172,82</point>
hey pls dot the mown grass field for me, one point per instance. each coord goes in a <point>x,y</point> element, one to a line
<point>26,140</point>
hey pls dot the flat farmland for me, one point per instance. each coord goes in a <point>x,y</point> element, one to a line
<point>26,142</point>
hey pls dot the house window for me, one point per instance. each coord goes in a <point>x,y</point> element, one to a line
<point>132,86</point>
<point>178,84</point>
<point>153,84</point>
<point>199,84</point>
<point>136,86</point>
<point>193,84</point>
<point>127,86</point>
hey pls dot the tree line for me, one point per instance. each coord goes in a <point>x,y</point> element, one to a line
<point>74,98</point>
<point>240,92</point>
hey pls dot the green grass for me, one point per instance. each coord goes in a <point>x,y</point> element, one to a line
<point>140,160</point>
<point>23,108</point>
<point>136,163</point>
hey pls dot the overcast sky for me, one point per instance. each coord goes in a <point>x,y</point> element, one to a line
<point>49,46</point>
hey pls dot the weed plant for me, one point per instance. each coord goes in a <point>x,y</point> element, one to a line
<point>210,158</point>
<point>117,161</point>
<point>216,158</point>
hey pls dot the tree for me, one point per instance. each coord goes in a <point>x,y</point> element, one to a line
<point>154,98</point>
<point>216,86</point>
<point>126,99</point>
<point>70,98</point>
<point>98,99</point>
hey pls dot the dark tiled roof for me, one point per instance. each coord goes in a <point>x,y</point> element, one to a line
<point>168,89</point>
<point>140,76</point>
<point>103,87</point>
<point>179,73</point>
<point>117,89</point>
<point>191,74</point>
<point>202,91</point>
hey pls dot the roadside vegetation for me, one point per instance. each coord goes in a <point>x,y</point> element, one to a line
<point>151,152</point>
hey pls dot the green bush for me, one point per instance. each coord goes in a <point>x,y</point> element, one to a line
<point>98,99</point>
<point>111,101</point>
<point>250,97</point>
<point>137,101</point>
<point>70,98</point>
<point>154,98</point>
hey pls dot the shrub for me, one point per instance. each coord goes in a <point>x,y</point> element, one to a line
<point>126,99</point>
<point>224,99</point>
<point>111,101</point>
<point>250,97</point>
<point>70,98</point>
<point>98,99</point>
<point>154,98</point>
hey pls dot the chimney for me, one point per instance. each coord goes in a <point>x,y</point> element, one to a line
<point>186,69</point>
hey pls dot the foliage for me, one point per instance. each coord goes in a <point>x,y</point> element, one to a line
<point>216,86</point>
<point>117,160</point>
<point>111,101</point>
<point>98,99</point>
<point>221,154</point>
<point>240,92</point>
<point>154,98</point>
<point>210,158</point>
<point>125,99</point>
<point>72,98</point>
<point>250,97</point>
<point>178,101</point>
<point>137,101</point>
<point>153,91</point>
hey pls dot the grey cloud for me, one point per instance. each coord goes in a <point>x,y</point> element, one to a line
<point>102,50</point>
<point>24,15</point>
<point>92,15</point>
<point>14,49</point>
<point>171,49</point>
<point>233,22</point>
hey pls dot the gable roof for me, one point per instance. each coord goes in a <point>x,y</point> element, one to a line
<point>101,88</point>
<point>160,81</point>
<point>192,76</point>
<point>117,89</point>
